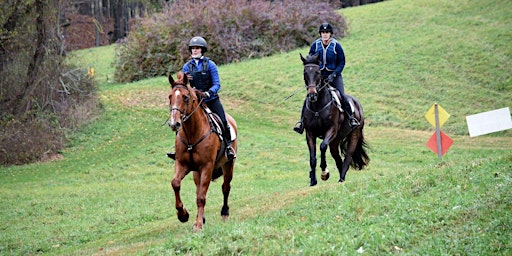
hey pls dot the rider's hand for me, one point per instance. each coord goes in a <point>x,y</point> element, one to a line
<point>206,95</point>
<point>331,77</point>
<point>189,76</point>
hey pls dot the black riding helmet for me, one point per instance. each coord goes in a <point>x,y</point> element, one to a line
<point>198,41</point>
<point>325,27</point>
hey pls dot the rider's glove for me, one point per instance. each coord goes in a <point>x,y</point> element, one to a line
<point>206,95</point>
<point>331,77</point>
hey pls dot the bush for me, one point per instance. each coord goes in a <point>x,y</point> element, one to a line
<point>40,96</point>
<point>234,32</point>
<point>39,134</point>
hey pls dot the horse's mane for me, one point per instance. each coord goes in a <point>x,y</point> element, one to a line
<point>180,79</point>
<point>312,59</point>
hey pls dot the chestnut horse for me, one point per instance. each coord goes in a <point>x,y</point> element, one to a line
<point>198,148</point>
<point>324,119</point>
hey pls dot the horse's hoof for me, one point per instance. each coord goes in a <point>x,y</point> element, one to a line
<point>183,216</point>
<point>197,229</point>
<point>224,211</point>
<point>325,175</point>
<point>341,180</point>
<point>312,183</point>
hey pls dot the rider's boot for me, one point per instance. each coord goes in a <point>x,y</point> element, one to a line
<point>350,113</point>
<point>299,127</point>
<point>230,151</point>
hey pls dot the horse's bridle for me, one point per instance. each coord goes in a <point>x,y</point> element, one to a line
<point>319,87</point>
<point>184,112</point>
<point>187,116</point>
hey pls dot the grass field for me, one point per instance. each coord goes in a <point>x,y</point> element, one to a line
<point>110,193</point>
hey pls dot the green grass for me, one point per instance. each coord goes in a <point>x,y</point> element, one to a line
<point>111,193</point>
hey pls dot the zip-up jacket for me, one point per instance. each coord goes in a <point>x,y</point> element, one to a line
<point>205,78</point>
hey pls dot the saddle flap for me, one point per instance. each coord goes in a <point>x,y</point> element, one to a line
<point>216,123</point>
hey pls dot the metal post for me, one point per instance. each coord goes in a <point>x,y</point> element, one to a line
<point>438,134</point>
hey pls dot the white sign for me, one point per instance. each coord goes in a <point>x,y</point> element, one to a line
<point>489,122</point>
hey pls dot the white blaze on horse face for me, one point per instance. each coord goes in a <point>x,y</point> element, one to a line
<point>176,113</point>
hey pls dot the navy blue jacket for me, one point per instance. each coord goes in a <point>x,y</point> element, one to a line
<point>332,57</point>
<point>214,87</point>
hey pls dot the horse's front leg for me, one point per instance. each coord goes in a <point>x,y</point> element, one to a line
<point>202,180</point>
<point>312,158</point>
<point>179,174</point>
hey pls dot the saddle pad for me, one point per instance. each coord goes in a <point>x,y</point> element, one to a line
<point>217,123</point>
<point>336,99</point>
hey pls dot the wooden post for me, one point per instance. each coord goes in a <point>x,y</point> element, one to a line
<point>438,133</point>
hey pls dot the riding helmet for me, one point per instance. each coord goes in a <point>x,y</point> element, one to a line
<point>325,27</point>
<point>198,41</point>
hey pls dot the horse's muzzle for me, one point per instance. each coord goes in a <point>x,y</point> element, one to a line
<point>313,97</point>
<point>175,126</point>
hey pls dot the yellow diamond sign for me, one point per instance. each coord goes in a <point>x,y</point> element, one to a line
<point>442,115</point>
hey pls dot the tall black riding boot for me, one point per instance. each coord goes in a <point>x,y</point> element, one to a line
<point>299,126</point>
<point>350,113</point>
<point>230,151</point>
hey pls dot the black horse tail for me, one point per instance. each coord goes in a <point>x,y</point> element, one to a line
<point>360,158</point>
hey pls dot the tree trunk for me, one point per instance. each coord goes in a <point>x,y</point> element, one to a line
<point>117,9</point>
<point>96,11</point>
<point>33,68</point>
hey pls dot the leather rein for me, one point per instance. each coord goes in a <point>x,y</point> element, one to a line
<point>184,119</point>
<point>319,88</point>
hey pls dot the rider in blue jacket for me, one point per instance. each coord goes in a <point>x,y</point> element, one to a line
<point>332,62</point>
<point>204,76</point>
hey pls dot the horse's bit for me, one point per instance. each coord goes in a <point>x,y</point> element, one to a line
<point>319,88</point>
<point>184,119</point>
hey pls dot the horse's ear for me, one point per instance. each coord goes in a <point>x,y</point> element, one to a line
<point>185,79</point>
<point>317,57</point>
<point>302,58</point>
<point>171,80</point>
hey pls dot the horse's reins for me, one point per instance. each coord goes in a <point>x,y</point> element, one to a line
<point>326,83</point>
<point>184,119</point>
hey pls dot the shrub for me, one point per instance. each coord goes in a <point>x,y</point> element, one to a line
<point>40,96</point>
<point>234,31</point>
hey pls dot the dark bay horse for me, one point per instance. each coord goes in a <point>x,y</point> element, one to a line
<point>198,148</point>
<point>324,120</point>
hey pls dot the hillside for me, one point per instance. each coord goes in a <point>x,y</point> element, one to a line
<point>110,192</point>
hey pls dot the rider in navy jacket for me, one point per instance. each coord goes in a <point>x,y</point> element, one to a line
<point>332,57</point>
<point>332,62</point>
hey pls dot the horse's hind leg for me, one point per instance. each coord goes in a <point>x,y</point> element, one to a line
<point>349,152</point>
<point>226,188</point>
<point>176,185</point>
<point>335,153</point>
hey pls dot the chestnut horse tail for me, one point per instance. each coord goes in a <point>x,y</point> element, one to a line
<point>360,158</point>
